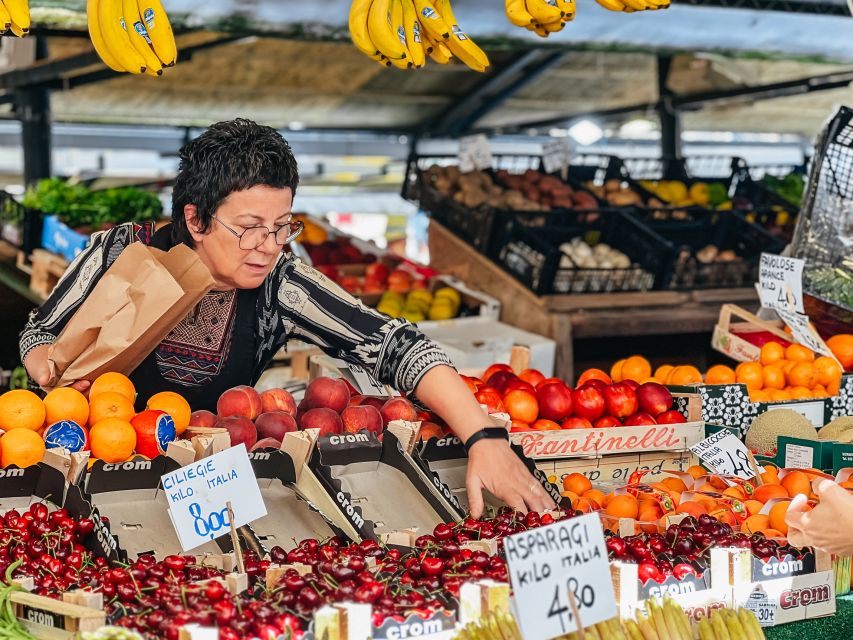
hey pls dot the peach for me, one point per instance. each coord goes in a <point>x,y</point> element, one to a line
<point>278,400</point>
<point>430,430</point>
<point>327,393</point>
<point>326,420</point>
<point>240,428</point>
<point>241,401</point>
<point>202,418</point>
<point>370,401</point>
<point>361,417</point>
<point>274,424</point>
<point>398,409</point>
<point>267,443</point>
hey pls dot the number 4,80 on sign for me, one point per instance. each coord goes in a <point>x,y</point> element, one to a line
<point>584,597</point>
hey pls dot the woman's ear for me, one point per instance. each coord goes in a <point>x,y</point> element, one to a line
<point>193,226</point>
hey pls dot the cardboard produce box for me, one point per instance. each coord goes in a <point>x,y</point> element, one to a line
<point>19,488</point>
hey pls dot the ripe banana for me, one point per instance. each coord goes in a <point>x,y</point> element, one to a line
<point>636,5</point>
<point>358,27</point>
<point>381,30</point>
<point>517,13</point>
<point>19,13</point>
<point>98,39</point>
<point>414,43</point>
<point>139,37</point>
<point>440,53</point>
<point>5,18</point>
<point>459,43</point>
<point>543,11</point>
<point>116,38</point>
<point>159,30</point>
<point>553,27</point>
<point>431,21</point>
<point>568,9</point>
<point>398,26</point>
<point>612,5</point>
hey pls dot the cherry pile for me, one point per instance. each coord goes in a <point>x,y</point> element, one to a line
<point>684,549</point>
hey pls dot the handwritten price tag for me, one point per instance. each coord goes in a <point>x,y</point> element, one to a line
<point>725,454</point>
<point>803,332</point>
<point>475,152</point>
<point>780,282</point>
<point>547,563</point>
<point>198,494</point>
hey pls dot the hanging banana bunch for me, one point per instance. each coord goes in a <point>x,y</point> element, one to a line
<point>132,36</point>
<point>403,33</point>
<point>630,6</point>
<point>542,16</point>
<point>15,17</point>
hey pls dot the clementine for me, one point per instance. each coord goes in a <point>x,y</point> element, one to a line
<point>623,506</point>
<point>636,368</point>
<point>755,523</point>
<point>771,353</point>
<point>774,377</point>
<point>663,371</point>
<point>720,374</point>
<point>751,374</point>
<point>803,374</point>
<point>798,353</point>
<point>776,518</point>
<point>21,409</point>
<point>115,382</point>
<point>176,406</point>
<point>112,440</point>
<point>616,370</point>
<point>796,482</point>
<point>841,346</point>
<point>828,371</point>
<point>685,374</point>
<point>65,403</point>
<point>110,404</point>
<point>578,483</point>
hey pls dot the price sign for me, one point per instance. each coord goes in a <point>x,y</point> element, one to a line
<point>725,454</point>
<point>359,377</point>
<point>780,282</point>
<point>475,152</point>
<point>548,563</point>
<point>763,607</point>
<point>198,495</point>
<point>556,155</point>
<point>803,332</point>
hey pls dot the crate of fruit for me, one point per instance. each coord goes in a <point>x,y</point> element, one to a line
<point>740,334</point>
<point>616,254</point>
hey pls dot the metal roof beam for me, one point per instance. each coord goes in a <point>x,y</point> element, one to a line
<point>786,6</point>
<point>464,113</point>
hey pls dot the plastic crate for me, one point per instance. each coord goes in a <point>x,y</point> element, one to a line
<point>532,255</point>
<point>20,226</point>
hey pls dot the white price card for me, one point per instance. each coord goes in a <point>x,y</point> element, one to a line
<point>361,379</point>
<point>804,333</point>
<point>763,607</point>
<point>198,495</point>
<point>556,154</point>
<point>780,282</point>
<point>726,454</point>
<point>548,563</point>
<point>475,152</point>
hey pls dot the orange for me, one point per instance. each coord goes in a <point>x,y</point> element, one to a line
<point>834,388</point>
<point>112,440</point>
<point>760,395</point>
<point>616,370</point>
<point>720,374</point>
<point>624,506</point>
<point>828,370</point>
<point>686,374</point>
<point>778,395</point>
<point>751,374</point>
<point>841,346</point>
<point>65,403</point>
<point>663,371</point>
<point>21,409</point>
<point>520,405</point>
<point>800,393</point>
<point>21,447</point>
<point>803,374</point>
<point>649,513</point>
<point>799,353</point>
<point>696,471</point>
<point>777,517</point>
<point>771,533</point>
<point>774,377</point>
<point>753,507</point>
<point>176,406</point>
<point>585,505</point>
<point>674,484</point>
<point>593,374</point>
<point>769,491</point>
<point>794,483</point>
<point>636,368</point>
<point>115,382</point>
<point>577,482</point>
<point>820,391</point>
<point>755,523</point>
<point>595,495</point>
<point>571,495</point>
<point>691,508</point>
<point>110,404</point>
<point>771,353</point>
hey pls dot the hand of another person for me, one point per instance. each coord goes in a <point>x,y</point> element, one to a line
<point>827,526</point>
<point>36,365</point>
<point>492,465</point>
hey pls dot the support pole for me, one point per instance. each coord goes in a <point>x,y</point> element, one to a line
<point>670,124</point>
<point>33,110</point>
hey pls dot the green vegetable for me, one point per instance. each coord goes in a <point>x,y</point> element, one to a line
<point>832,283</point>
<point>791,187</point>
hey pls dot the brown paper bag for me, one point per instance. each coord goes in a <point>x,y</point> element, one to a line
<point>140,298</point>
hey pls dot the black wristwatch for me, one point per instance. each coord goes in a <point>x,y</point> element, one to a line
<point>491,433</point>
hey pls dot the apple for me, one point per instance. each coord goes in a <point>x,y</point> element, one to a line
<point>500,379</point>
<point>594,382</point>
<point>621,400</point>
<point>274,424</point>
<point>631,383</point>
<point>518,384</point>
<point>588,402</point>
<point>491,399</point>
<point>376,271</point>
<point>576,423</point>
<point>671,417</point>
<point>654,398</point>
<point>639,419</point>
<point>606,422</point>
<point>555,401</point>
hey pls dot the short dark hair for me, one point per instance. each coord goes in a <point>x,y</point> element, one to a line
<point>229,156</point>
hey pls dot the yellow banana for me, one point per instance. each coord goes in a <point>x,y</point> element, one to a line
<point>429,46</point>
<point>636,5</point>
<point>553,27</point>
<point>431,21</point>
<point>379,26</point>
<point>612,5</point>
<point>414,42</point>
<point>358,27</point>
<point>459,43</point>
<point>517,13</point>
<point>159,30</point>
<point>5,18</point>
<point>543,11</point>
<point>440,53</point>
<point>16,30</point>
<point>541,31</point>
<point>568,9</point>
<point>116,38</point>
<point>399,28</point>
<point>19,14</point>
<point>97,38</point>
<point>139,37</point>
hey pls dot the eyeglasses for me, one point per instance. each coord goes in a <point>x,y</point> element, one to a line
<point>254,237</point>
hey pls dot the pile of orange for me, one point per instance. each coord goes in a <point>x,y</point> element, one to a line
<point>639,369</point>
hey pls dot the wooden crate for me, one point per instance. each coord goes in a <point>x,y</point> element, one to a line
<point>46,270</point>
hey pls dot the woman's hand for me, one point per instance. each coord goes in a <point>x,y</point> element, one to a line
<point>828,525</point>
<point>493,466</point>
<point>36,365</point>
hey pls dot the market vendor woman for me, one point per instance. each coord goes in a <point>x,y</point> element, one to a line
<point>232,204</point>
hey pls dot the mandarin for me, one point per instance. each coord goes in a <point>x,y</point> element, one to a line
<point>636,368</point>
<point>692,508</point>
<point>21,409</point>
<point>755,523</point>
<point>751,374</point>
<point>115,382</point>
<point>776,518</point>
<point>771,353</point>
<point>720,374</point>
<point>774,377</point>
<point>798,353</point>
<point>595,495</point>
<point>110,404</point>
<point>623,506</point>
<point>796,482</point>
<point>753,507</point>
<point>841,346</point>
<point>65,403</point>
<point>593,374</point>
<point>577,482</point>
<point>684,375</point>
<point>803,374</point>
<point>616,370</point>
<point>828,371</point>
<point>663,371</point>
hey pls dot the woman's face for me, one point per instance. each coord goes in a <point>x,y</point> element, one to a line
<point>219,249</point>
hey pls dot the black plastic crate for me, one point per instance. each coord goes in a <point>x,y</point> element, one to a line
<point>533,255</point>
<point>20,226</point>
<point>698,267</point>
